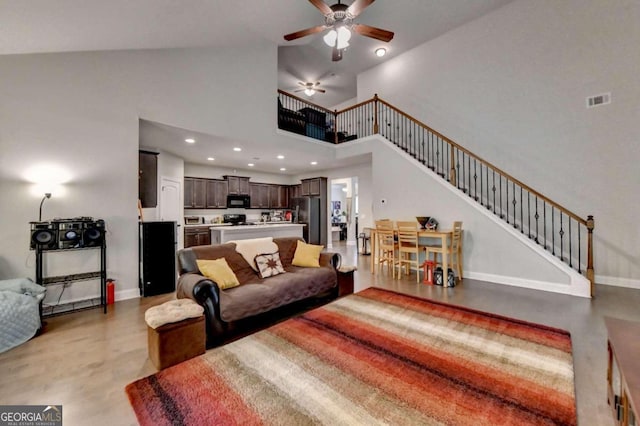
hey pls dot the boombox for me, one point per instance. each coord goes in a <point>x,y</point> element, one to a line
<point>60,234</point>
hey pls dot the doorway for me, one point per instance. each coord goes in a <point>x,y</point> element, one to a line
<point>171,204</point>
<point>344,202</point>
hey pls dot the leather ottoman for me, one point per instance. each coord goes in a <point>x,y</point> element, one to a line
<point>175,332</point>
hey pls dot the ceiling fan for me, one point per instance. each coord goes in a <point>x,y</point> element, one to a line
<point>339,19</point>
<point>310,88</point>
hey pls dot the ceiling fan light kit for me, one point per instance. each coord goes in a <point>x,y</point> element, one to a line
<point>338,18</point>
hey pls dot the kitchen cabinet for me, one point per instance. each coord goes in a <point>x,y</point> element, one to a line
<point>197,236</point>
<point>148,178</point>
<point>294,192</point>
<point>259,193</point>
<point>310,187</point>
<point>278,197</point>
<point>217,191</point>
<point>238,185</point>
<point>195,193</point>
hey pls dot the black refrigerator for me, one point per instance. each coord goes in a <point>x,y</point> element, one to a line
<point>157,258</point>
<point>308,211</point>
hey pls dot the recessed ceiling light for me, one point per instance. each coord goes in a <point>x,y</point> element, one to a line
<point>210,158</point>
<point>250,164</point>
<point>280,157</point>
<point>236,149</point>
<point>190,140</point>
<point>282,169</point>
<point>380,52</point>
<point>313,163</point>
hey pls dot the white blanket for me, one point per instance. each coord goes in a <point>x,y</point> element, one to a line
<point>19,311</point>
<point>249,249</point>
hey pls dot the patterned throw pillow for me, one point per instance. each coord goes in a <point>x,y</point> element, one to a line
<point>269,264</point>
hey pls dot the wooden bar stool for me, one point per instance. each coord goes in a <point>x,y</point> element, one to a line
<point>408,248</point>
<point>454,250</point>
<point>386,246</point>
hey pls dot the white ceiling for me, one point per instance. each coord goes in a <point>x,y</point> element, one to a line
<point>34,26</point>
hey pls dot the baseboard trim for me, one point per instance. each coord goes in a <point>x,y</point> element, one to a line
<point>527,283</point>
<point>617,281</point>
<point>127,294</point>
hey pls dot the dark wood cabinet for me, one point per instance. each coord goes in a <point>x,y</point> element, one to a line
<point>195,193</point>
<point>197,236</point>
<point>278,197</point>
<point>216,194</point>
<point>311,186</point>
<point>259,193</point>
<point>148,178</point>
<point>238,185</point>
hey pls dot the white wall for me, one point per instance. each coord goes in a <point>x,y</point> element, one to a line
<point>80,111</point>
<point>511,87</point>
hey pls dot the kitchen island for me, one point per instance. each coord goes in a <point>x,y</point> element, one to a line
<point>223,234</point>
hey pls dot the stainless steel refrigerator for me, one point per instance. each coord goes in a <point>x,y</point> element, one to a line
<point>308,211</point>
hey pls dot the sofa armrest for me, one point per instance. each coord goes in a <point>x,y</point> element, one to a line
<point>197,287</point>
<point>330,259</point>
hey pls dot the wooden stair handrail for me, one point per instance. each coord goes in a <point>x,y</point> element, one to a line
<point>497,169</point>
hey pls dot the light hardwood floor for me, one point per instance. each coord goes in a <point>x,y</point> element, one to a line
<point>84,360</point>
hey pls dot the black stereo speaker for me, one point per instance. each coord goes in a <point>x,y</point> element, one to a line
<point>70,234</point>
<point>44,235</point>
<point>93,233</point>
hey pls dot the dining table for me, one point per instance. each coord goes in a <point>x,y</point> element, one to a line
<point>444,236</point>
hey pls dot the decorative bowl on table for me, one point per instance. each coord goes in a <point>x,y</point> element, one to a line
<point>422,220</point>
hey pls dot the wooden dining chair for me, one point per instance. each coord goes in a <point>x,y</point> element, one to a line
<point>454,250</point>
<point>408,248</point>
<point>386,246</point>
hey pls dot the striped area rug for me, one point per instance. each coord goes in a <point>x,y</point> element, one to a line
<point>375,357</point>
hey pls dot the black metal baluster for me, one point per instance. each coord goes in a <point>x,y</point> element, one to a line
<point>561,237</point>
<point>507,198</point>
<point>553,232</point>
<point>493,188</point>
<point>521,218</point>
<point>537,216</point>
<point>544,222</point>
<point>529,212</point>
<point>579,250</point>
<point>570,242</point>
<point>514,202</point>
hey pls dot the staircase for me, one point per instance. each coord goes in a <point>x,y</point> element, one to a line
<point>558,230</point>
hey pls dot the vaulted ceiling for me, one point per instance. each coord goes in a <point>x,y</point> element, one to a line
<point>38,26</point>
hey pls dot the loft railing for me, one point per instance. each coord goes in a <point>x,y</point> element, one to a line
<point>554,227</point>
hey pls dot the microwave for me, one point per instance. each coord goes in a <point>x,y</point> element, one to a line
<point>238,201</point>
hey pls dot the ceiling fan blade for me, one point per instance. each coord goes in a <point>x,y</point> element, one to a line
<point>302,84</point>
<point>358,6</point>
<point>322,6</point>
<point>319,90</point>
<point>336,55</point>
<point>373,32</point>
<point>303,33</point>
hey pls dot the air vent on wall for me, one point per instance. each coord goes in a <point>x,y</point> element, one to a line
<point>597,100</point>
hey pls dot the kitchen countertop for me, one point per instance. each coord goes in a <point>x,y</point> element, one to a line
<point>226,225</point>
<point>261,226</point>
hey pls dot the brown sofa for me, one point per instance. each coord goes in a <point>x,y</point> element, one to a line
<point>226,310</point>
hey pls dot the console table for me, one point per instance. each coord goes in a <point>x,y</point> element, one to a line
<point>623,370</point>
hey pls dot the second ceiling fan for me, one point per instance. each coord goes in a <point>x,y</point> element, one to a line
<point>339,19</point>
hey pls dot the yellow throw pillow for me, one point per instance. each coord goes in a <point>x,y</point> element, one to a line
<point>307,255</point>
<point>219,271</point>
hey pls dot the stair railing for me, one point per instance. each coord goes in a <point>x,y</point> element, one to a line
<point>556,228</point>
